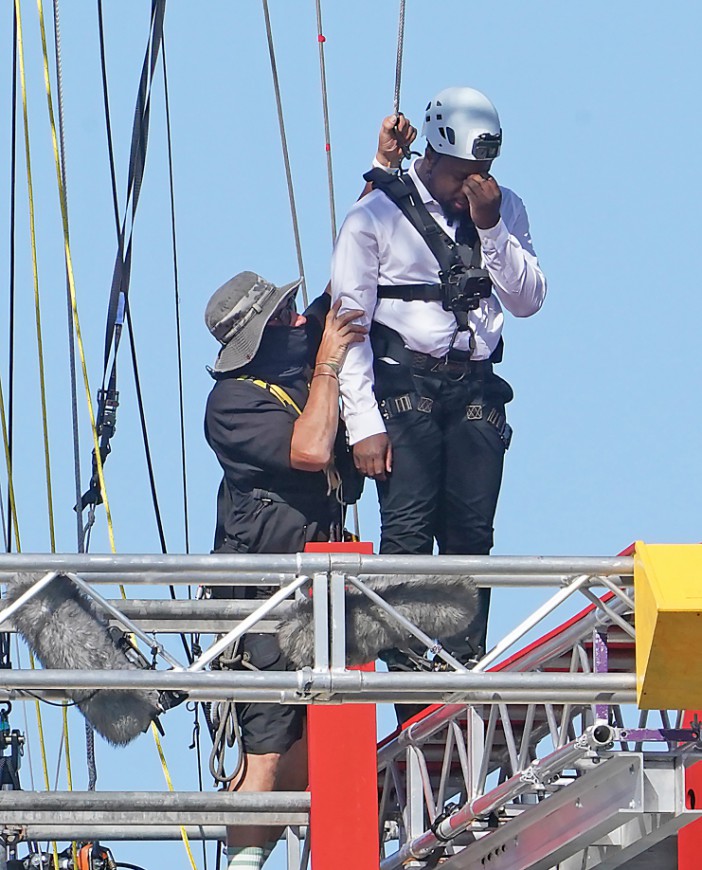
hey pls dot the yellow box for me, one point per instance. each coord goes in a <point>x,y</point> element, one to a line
<point>668,587</point>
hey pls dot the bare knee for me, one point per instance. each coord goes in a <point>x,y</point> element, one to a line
<point>260,773</point>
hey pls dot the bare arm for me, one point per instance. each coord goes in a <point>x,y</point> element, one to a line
<point>315,429</point>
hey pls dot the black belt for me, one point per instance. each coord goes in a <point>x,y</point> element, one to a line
<point>411,292</point>
<point>457,363</point>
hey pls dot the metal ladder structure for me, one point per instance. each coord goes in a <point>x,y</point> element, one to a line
<point>534,758</point>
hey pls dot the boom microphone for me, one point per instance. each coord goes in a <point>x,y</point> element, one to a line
<point>65,630</point>
<point>439,606</point>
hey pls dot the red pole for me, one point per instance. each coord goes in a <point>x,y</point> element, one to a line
<point>690,837</point>
<point>343,774</point>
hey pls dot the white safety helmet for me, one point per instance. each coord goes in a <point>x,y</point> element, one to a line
<point>462,122</point>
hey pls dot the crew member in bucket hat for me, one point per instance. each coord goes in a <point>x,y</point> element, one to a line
<point>238,313</point>
<point>271,419</point>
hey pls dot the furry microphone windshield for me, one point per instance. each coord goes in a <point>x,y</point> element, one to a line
<point>439,606</point>
<point>65,630</point>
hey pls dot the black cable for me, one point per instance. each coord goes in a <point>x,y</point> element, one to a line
<point>45,701</point>
<point>144,430</point>
<point>119,289</point>
<point>108,121</point>
<point>5,660</point>
<point>179,343</point>
<point>198,751</point>
<point>149,461</point>
<point>127,311</point>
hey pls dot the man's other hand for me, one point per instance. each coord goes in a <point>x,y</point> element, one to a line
<point>396,133</point>
<point>485,198</point>
<point>373,456</point>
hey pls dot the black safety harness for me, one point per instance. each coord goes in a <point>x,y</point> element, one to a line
<point>463,282</point>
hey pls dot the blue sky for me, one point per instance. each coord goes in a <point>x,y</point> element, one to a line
<point>600,111</point>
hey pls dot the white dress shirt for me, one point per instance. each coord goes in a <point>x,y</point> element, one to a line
<point>378,245</point>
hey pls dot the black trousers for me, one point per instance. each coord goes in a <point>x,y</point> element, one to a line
<point>446,472</point>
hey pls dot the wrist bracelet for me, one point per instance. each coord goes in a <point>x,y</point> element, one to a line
<point>325,375</point>
<point>334,366</point>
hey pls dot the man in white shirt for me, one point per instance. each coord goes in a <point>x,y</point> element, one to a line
<point>424,410</point>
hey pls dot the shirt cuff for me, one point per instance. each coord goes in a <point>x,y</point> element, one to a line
<point>494,237</point>
<point>360,426</point>
<point>391,170</point>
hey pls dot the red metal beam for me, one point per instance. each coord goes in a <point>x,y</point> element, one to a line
<point>690,837</point>
<point>343,774</point>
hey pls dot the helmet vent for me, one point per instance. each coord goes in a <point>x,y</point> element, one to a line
<point>451,135</point>
<point>438,102</point>
<point>439,117</point>
<point>442,132</point>
<point>428,107</point>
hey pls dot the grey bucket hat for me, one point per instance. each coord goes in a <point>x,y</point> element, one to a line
<point>238,313</point>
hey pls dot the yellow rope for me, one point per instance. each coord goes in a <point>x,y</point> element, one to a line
<point>169,783</point>
<point>35,274</point>
<point>79,342</point>
<point>69,775</point>
<point>44,762</point>
<point>71,283</point>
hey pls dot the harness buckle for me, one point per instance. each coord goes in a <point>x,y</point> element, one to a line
<point>403,403</point>
<point>474,412</point>
<point>108,402</point>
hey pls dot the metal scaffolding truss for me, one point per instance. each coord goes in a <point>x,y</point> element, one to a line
<point>513,745</point>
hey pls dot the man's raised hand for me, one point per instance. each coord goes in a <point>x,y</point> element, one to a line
<point>396,133</point>
<point>485,198</point>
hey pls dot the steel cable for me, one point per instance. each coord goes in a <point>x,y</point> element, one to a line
<point>321,40</point>
<point>399,57</point>
<point>59,154</point>
<point>284,146</point>
<point>71,337</point>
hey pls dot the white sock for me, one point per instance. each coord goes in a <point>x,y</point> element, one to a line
<point>247,857</point>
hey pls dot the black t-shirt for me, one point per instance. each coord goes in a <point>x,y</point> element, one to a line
<point>250,430</point>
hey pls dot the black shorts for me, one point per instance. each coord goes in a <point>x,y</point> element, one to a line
<point>268,727</point>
